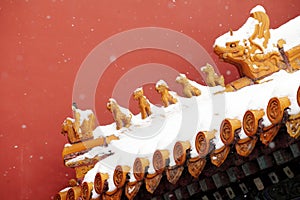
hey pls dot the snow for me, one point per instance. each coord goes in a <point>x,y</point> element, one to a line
<point>84,114</point>
<point>68,145</point>
<point>289,32</point>
<point>180,77</point>
<point>65,189</point>
<point>130,190</point>
<point>103,167</point>
<point>258,8</point>
<point>92,153</point>
<point>112,100</point>
<point>183,120</point>
<point>138,89</point>
<point>161,82</point>
<point>71,119</point>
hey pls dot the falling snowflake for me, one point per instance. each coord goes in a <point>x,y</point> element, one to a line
<point>272,145</point>
<point>112,58</point>
<point>228,72</point>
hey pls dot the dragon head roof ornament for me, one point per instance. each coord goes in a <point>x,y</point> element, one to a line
<point>255,49</point>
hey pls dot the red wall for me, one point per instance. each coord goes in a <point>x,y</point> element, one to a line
<point>43,45</point>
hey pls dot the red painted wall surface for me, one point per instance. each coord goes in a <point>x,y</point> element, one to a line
<point>43,45</point>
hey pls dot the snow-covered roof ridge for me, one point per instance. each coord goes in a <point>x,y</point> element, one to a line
<point>184,120</point>
<point>236,104</point>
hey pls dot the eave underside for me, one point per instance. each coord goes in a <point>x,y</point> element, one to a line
<point>269,172</point>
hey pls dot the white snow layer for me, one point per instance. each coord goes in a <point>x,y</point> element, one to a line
<point>258,8</point>
<point>84,114</point>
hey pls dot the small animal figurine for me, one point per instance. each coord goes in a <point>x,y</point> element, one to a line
<point>81,127</point>
<point>144,104</point>
<point>188,89</point>
<point>212,79</point>
<point>120,118</point>
<point>166,97</point>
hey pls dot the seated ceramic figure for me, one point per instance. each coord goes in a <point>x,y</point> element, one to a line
<point>120,118</point>
<point>143,102</point>
<point>212,79</point>
<point>166,97</point>
<point>188,89</point>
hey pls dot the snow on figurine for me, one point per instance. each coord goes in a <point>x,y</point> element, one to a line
<point>144,104</point>
<point>188,89</point>
<point>121,119</point>
<point>81,127</point>
<point>212,78</point>
<point>166,97</point>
